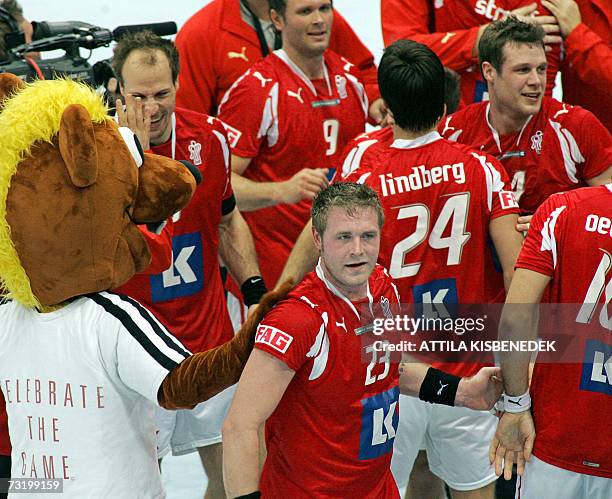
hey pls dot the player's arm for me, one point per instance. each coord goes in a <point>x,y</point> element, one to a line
<point>478,392</point>
<point>302,259</point>
<point>252,195</point>
<point>595,144</point>
<point>237,250</point>
<point>263,383</point>
<point>601,179</point>
<point>588,54</point>
<point>515,433</point>
<point>519,321</point>
<point>507,242</point>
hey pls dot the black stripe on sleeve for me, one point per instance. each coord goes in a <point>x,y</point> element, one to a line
<point>139,335</point>
<point>228,205</point>
<point>162,333</point>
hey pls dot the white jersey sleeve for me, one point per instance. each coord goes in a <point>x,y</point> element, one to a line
<point>144,351</point>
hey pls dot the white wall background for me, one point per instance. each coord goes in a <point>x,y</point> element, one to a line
<point>363,15</point>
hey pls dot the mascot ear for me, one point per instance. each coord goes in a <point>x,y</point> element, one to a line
<point>77,145</point>
<point>9,84</point>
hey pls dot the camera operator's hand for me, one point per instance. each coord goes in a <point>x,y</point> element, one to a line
<point>137,117</point>
<point>112,90</point>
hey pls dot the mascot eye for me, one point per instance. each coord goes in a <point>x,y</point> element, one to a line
<point>133,145</point>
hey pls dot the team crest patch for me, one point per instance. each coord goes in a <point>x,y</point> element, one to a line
<point>195,148</point>
<point>273,337</point>
<point>536,141</point>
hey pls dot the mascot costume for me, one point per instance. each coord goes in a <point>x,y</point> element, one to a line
<point>80,367</point>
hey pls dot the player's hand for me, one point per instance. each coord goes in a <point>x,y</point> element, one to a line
<point>522,224</point>
<point>378,112</point>
<point>481,391</point>
<point>305,184</point>
<point>513,442</point>
<point>567,13</point>
<point>137,117</point>
<point>549,24</point>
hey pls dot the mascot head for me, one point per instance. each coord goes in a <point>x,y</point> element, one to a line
<point>73,186</point>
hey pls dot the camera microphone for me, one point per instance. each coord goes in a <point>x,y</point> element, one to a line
<point>46,29</point>
<point>160,29</point>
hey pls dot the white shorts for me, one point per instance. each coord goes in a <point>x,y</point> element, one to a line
<point>456,440</point>
<point>541,480</point>
<point>183,431</point>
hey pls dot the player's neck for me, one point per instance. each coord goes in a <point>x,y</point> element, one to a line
<point>312,66</point>
<point>403,134</point>
<point>505,122</point>
<point>352,293</point>
<point>260,8</point>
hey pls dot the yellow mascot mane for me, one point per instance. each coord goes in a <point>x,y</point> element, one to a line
<point>32,114</point>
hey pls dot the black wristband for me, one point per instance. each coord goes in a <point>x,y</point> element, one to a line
<point>439,387</point>
<point>252,495</point>
<point>252,290</point>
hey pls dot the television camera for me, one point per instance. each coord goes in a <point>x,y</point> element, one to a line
<point>69,36</point>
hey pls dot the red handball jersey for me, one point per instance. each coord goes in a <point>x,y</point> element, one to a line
<point>439,198</point>
<point>286,122</point>
<point>5,442</point>
<point>450,28</point>
<point>558,149</point>
<point>216,47</point>
<point>570,240</point>
<point>332,433</point>
<point>188,297</point>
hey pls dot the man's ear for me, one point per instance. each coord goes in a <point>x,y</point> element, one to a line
<point>317,239</point>
<point>488,72</point>
<point>277,20</point>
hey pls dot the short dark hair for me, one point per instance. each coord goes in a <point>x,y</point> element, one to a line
<point>149,42</point>
<point>452,90</point>
<point>349,196</point>
<point>510,30</point>
<point>281,5</point>
<point>411,81</point>
<point>278,5</point>
<point>15,13</point>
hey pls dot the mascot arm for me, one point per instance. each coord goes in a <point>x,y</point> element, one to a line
<point>205,374</point>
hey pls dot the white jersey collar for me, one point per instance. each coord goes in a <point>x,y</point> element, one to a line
<point>418,142</point>
<point>282,55</point>
<point>496,135</point>
<point>321,275</point>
